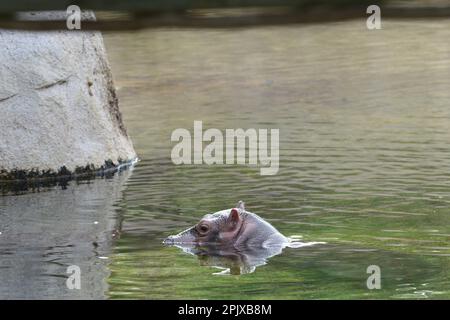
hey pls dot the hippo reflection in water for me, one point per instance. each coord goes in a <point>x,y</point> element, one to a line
<point>235,240</point>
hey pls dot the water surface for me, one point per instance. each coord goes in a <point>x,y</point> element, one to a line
<point>364,166</point>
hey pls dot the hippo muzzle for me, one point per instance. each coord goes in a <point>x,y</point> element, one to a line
<point>188,236</point>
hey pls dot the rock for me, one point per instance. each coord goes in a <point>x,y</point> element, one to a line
<point>59,112</point>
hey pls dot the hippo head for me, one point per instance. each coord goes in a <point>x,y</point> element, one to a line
<point>217,228</point>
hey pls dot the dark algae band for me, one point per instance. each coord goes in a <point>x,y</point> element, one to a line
<point>14,181</point>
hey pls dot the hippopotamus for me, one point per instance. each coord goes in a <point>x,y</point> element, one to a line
<point>234,240</point>
<point>233,227</point>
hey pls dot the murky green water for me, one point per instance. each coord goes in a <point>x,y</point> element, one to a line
<point>364,124</point>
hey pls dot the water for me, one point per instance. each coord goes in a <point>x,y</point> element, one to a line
<point>364,166</point>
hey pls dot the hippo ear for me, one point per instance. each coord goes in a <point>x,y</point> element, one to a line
<point>234,218</point>
<point>241,205</point>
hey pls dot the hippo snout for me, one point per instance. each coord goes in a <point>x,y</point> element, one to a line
<point>187,236</point>
<point>169,240</point>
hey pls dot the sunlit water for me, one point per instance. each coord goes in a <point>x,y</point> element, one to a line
<point>364,124</point>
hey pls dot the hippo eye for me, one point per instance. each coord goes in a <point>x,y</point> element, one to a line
<point>203,228</point>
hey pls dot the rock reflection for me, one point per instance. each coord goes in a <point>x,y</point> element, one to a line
<point>43,233</point>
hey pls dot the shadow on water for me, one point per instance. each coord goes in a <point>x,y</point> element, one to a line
<point>44,232</point>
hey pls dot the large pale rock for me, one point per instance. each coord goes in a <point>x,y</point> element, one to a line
<point>59,112</point>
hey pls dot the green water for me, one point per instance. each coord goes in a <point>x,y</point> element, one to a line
<point>364,157</point>
<point>364,124</point>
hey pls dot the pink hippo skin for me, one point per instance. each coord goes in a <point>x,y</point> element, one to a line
<point>234,227</point>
